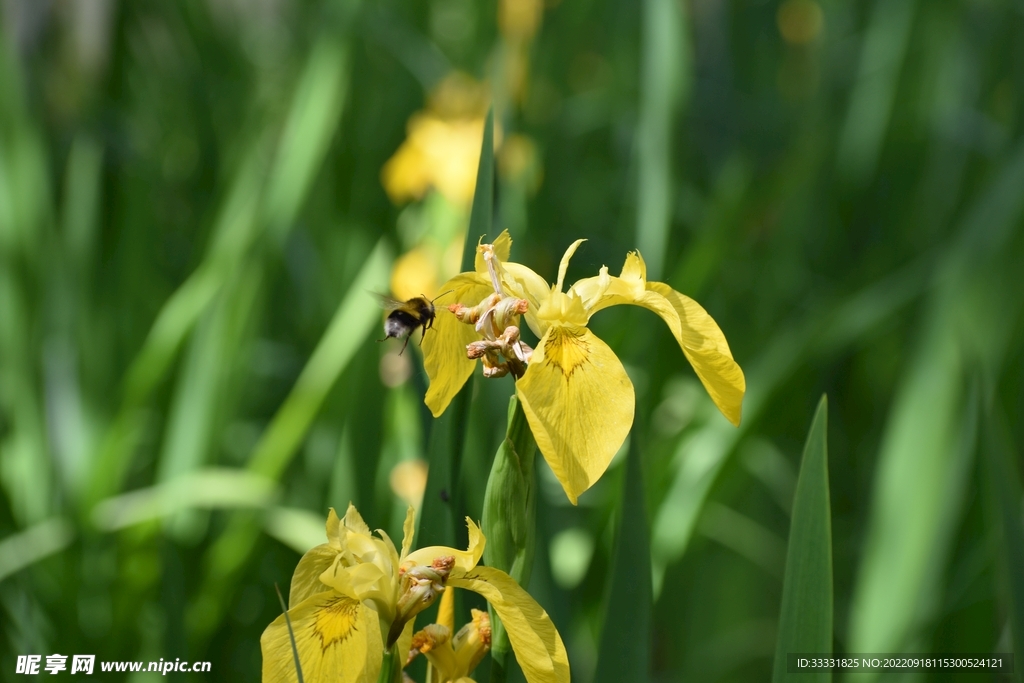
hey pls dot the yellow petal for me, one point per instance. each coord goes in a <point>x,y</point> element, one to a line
<point>593,291</point>
<point>563,265</point>
<point>334,528</point>
<point>634,270</point>
<point>535,640</point>
<point>464,559</point>
<point>442,658</point>
<point>579,403</point>
<point>393,559</point>
<point>502,249</point>
<point>698,334</point>
<point>523,283</point>
<point>446,610</point>
<point>598,293</point>
<point>354,521</point>
<point>408,530</point>
<point>362,581</point>
<point>444,346</point>
<point>705,347</point>
<point>337,638</point>
<point>306,578</point>
<point>404,642</point>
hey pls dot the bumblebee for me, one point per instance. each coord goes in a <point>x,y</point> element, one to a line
<point>405,316</point>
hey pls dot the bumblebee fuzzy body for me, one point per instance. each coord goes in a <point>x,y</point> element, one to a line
<point>405,316</point>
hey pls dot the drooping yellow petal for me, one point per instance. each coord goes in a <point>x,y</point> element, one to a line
<point>535,640</point>
<point>697,333</point>
<point>464,559</point>
<point>306,577</point>
<point>337,638</point>
<point>444,346</point>
<point>705,347</point>
<point>579,403</point>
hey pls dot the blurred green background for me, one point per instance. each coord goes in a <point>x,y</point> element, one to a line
<point>192,214</point>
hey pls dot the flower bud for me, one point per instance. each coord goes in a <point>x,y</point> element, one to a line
<point>419,588</point>
<point>473,641</point>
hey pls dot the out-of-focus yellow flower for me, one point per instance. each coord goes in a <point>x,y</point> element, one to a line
<point>519,19</point>
<point>518,161</point>
<point>408,481</point>
<point>442,145</point>
<point>800,21</point>
<point>415,273</point>
<point>575,393</point>
<point>349,592</point>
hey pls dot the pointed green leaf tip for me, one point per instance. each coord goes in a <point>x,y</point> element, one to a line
<point>805,620</point>
<point>440,522</point>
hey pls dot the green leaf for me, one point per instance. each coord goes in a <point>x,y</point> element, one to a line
<point>354,320</point>
<point>666,75</point>
<point>352,324</point>
<point>805,620</point>
<point>36,543</point>
<point>1008,530</point>
<point>625,651</point>
<point>481,217</point>
<point>917,499</point>
<point>439,522</point>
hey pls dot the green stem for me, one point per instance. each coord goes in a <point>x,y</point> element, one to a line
<point>391,667</point>
<point>510,520</point>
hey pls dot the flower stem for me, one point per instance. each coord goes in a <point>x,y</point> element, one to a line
<point>510,519</point>
<point>391,667</point>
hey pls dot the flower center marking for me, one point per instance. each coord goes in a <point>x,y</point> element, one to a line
<point>335,621</point>
<point>566,350</point>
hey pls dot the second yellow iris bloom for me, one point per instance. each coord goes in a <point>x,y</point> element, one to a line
<point>357,593</point>
<point>576,394</point>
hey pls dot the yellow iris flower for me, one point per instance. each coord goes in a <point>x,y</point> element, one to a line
<point>356,595</point>
<point>575,393</point>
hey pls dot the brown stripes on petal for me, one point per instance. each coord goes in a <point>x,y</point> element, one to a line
<point>336,620</point>
<point>566,349</point>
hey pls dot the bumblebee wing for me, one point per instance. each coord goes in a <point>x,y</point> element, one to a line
<point>388,303</point>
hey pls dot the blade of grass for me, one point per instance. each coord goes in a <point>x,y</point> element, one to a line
<point>208,488</point>
<point>918,492</point>
<point>920,481</point>
<point>354,321</point>
<point>312,120</point>
<point>665,83</point>
<point>805,619</point>
<point>291,633</point>
<point>38,542</point>
<point>881,61</point>
<point>629,589</point>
